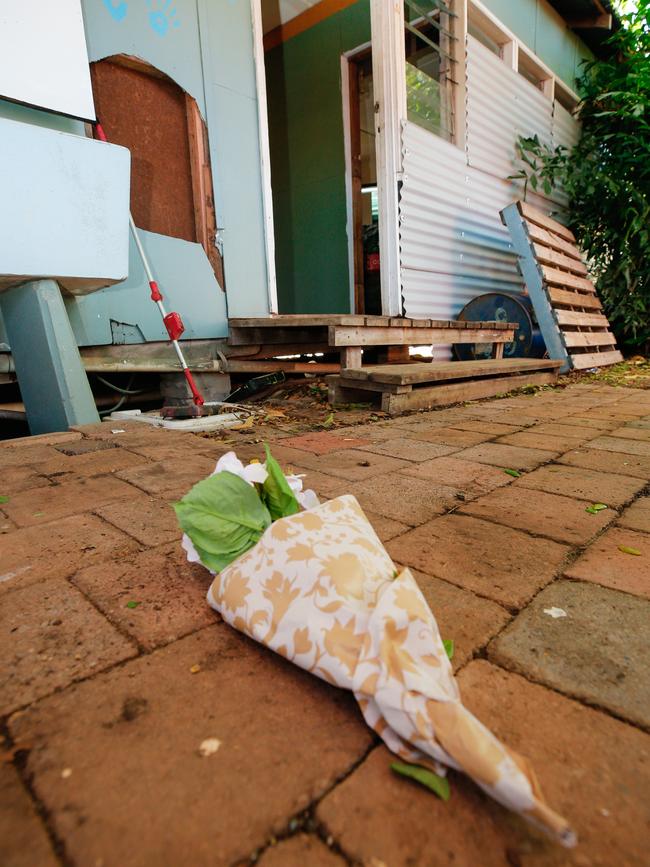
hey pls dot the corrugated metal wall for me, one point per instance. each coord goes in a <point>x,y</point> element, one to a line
<point>453,246</point>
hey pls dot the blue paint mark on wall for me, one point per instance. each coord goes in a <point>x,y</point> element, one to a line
<point>117,8</point>
<point>162,16</point>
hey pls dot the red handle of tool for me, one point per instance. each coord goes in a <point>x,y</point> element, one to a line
<point>196,394</point>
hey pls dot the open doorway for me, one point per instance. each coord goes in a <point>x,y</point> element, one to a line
<point>363,174</point>
<point>308,109</point>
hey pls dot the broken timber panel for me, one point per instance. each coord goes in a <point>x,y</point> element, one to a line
<point>563,296</point>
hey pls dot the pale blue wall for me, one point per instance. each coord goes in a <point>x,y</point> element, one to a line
<point>545,32</point>
<point>64,201</point>
<point>206,46</point>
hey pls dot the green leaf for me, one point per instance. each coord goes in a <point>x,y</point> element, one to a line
<point>626,550</point>
<point>595,508</point>
<point>224,517</point>
<point>426,778</point>
<point>329,421</point>
<point>4,500</point>
<point>132,603</point>
<point>449,647</point>
<point>278,496</point>
<point>515,473</point>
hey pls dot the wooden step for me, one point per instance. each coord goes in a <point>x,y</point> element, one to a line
<point>317,320</point>
<point>437,371</point>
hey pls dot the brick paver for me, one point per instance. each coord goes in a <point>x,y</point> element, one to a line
<point>502,564</point>
<point>597,652</point>
<point>149,520</point>
<point>542,514</point>
<point>404,498</point>
<point>609,462</point>
<point>58,549</point>
<point>467,620</point>
<point>510,457</point>
<point>120,671</point>
<point>637,516</point>
<point>605,563</point>
<point>583,484</point>
<point>50,636</point>
<point>155,597</point>
<point>70,498</point>
<point>23,839</point>
<point>140,792</point>
<point>592,768</point>
<point>303,850</point>
<point>414,449</point>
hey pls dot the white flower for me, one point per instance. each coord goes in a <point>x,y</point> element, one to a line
<point>306,499</point>
<point>188,547</point>
<point>252,473</point>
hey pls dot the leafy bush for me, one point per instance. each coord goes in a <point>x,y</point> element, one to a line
<point>607,176</point>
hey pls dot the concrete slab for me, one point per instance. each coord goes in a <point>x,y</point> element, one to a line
<point>597,653</point>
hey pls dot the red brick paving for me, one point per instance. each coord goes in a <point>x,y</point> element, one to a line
<point>542,514</point>
<point>109,769</point>
<point>604,562</point>
<point>140,793</point>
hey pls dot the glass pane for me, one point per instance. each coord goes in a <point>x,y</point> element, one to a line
<point>428,91</point>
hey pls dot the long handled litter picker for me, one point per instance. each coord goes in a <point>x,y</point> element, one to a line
<point>172,321</point>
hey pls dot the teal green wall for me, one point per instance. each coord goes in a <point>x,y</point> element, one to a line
<point>544,31</point>
<point>308,162</point>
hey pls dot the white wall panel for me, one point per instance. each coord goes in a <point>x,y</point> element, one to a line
<point>453,246</point>
<point>501,105</point>
<point>43,61</point>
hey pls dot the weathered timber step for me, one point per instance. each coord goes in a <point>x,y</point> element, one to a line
<point>414,373</point>
<point>425,385</point>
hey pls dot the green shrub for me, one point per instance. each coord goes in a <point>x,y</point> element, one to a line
<point>607,176</point>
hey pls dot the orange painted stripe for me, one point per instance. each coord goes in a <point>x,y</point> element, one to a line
<point>309,18</point>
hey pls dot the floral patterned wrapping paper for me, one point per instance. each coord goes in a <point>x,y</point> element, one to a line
<point>320,589</point>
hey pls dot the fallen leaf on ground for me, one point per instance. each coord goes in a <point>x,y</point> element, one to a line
<point>449,647</point>
<point>132,603</point>
<point>514,473</point>
<point>195,669</point>
<point>4,499</point>
<point>595,508</point>
<point>438,785</point>
<point>626,550</point>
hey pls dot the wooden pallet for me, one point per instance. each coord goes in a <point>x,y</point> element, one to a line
<point>424,385</point>
<point>568,310</point>
<point>349,334</point>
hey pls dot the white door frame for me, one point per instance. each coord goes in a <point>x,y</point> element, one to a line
<point>389,83</point>
<point>265,153</point>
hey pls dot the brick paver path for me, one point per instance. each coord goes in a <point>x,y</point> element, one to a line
<point>114,672</point>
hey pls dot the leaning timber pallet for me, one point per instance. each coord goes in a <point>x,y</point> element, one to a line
<point>568,310</point>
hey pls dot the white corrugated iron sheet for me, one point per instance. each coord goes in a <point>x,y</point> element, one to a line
<point>501,105</point>
<point>453,245</point>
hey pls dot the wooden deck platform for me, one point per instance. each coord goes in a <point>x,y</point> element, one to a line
<point>402,387</point>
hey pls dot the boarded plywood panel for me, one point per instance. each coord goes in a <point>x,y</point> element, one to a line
<point>146,113</point>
